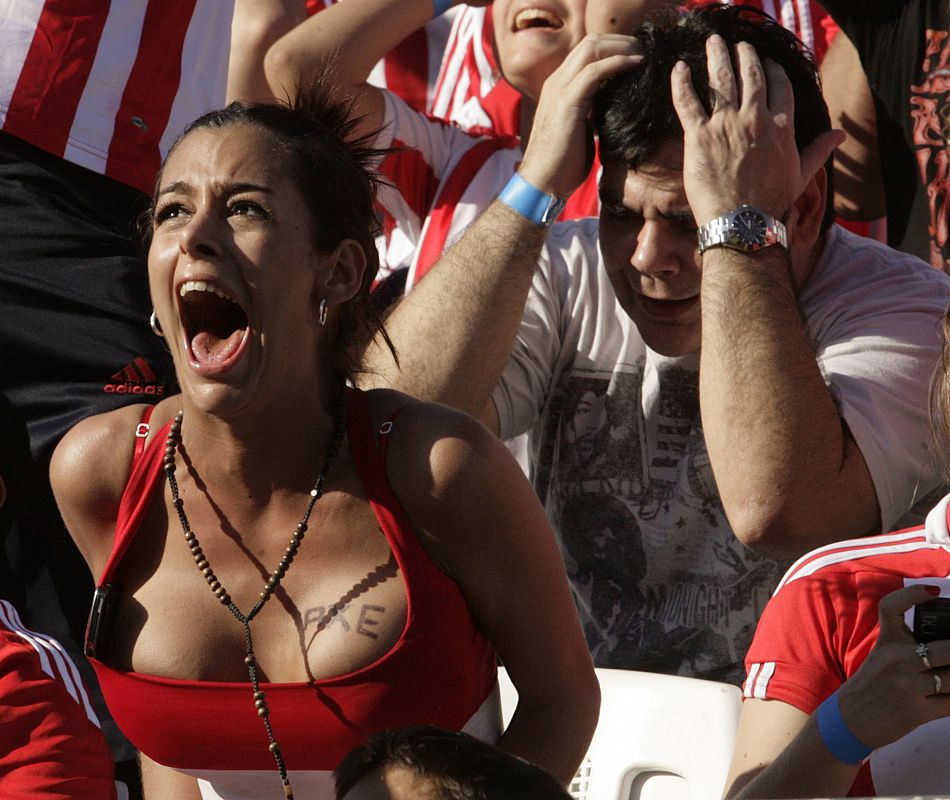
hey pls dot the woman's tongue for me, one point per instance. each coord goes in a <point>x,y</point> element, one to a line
<point>210,347</point>
<point>217,328</point>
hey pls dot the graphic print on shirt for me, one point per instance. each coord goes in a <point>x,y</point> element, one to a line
<point>930,114</point>
<point>660,581</point>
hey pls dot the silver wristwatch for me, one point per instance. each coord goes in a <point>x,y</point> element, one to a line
<point>746,228</point>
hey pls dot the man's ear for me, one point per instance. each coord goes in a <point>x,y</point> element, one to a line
<point>809,211</point>
<point>341,273</point>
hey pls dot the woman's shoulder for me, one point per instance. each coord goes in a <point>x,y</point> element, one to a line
<point>419,426</point>
<point>90,467</point>
<point>439,460</point>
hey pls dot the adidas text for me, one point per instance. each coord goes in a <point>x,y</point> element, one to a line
<point>133,388</point>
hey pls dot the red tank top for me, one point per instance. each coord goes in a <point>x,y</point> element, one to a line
<point>442,669</point>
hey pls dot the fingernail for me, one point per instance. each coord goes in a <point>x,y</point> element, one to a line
<point>681,66</point>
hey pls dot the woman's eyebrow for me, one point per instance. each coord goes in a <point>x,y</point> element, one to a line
<point>183,187</point>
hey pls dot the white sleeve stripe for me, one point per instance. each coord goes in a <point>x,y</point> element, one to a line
<point>762,681</point>
<point>750,680</point>
<point>62,667</point>
<point>934,531</point>
<point>855,555</point>
<point>857,548</point>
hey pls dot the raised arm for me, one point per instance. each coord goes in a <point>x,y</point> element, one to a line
<point>780,751</point>
<point>789,472</point>
<point>503,556</point>
<point>343,43</point>
<point>256,25</point>
<point>455,330</point>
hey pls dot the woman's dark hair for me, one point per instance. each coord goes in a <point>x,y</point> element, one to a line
<point>633,112</point>
<point>456,765</point>
<point>333,169</point>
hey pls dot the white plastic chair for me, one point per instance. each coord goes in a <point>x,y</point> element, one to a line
<point>659,737</point>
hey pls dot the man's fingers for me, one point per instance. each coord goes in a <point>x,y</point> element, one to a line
<point>891,608</point>
<point>685,102</point>
<point>781,96</point>
<point>752,78</point>
<point>722,80</point>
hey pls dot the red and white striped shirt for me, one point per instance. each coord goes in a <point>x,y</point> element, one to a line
<point>110,85</point>
<point>439,180</point>
<point>822,622</point>
<point>409,70</point>
<point>469,90</point>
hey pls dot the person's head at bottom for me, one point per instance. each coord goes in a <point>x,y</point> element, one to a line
<point>431,763</point>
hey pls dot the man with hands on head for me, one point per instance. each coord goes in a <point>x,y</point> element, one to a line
<point>725,404</point>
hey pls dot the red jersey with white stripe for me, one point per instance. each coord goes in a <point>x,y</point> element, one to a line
<point>50,745</point>
<point>821,624</point>
<point>110,85</point>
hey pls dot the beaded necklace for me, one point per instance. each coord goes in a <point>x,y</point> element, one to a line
<point>172,444</point>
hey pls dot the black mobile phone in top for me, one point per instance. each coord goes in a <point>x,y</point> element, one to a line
<point>101,617</point>
<point>932,620</point>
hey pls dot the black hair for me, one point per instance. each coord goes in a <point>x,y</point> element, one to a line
<point>633,112</point>
<point>333,169</point>
<point>456,765</point>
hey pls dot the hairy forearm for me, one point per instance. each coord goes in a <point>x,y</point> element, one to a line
<point>350,36</point>
<point>455,330</point>
<point>783,461</point>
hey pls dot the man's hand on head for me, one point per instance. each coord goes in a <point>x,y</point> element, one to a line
<point>556,159</point>
<point>744,151</point>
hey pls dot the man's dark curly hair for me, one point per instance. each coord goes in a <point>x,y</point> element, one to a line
<point>633,112</point>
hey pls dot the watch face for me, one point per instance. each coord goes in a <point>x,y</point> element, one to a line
<point>749,228</point>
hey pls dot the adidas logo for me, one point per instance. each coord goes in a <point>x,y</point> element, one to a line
<point>135,378</point>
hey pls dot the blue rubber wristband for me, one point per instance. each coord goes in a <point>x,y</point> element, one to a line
<point>439,7</point>
<point>530,201</point>
<point>837,736</point>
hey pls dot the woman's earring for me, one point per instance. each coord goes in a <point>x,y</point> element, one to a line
<point>323,312</point>
<point>155,325</point>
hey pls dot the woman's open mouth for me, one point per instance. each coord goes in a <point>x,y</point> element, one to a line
<point>215,326</point>
<point>531,18</point>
